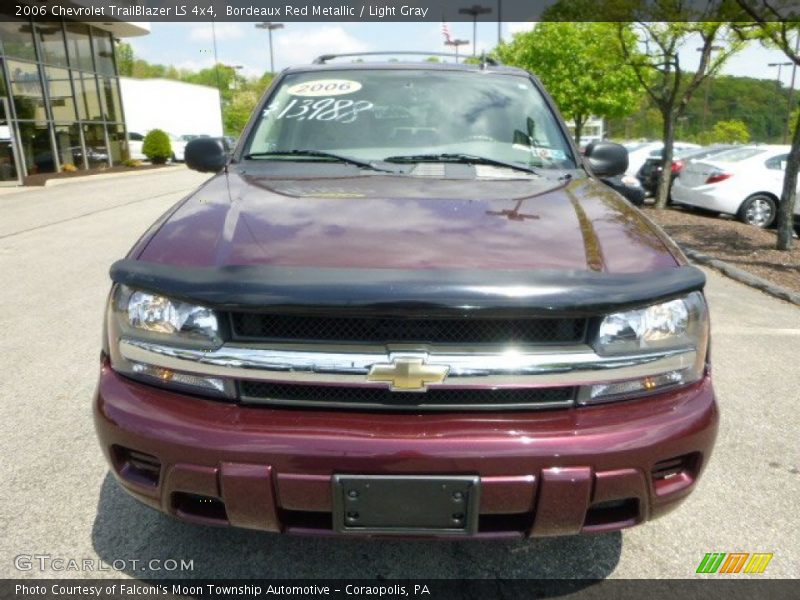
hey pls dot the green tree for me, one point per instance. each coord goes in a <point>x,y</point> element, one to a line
<point>238,111</point>
<point>730,132</point>
<point>156,146</point>
<point>729,98</point>
<point>124,52</point>
<point>662,28</point>
<point>669,86</point>
<point>580,65</point>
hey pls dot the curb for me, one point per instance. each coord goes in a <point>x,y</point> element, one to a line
<point>100,176</point>
<point>742,276</point>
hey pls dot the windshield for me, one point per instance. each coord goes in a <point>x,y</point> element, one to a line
<point>372,115</point>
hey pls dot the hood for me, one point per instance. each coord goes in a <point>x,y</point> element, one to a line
<point>409,222</point>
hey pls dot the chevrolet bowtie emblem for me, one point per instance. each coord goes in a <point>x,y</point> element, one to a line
<point>408,374</point>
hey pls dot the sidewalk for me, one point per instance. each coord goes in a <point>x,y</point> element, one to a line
<point>11,190</point>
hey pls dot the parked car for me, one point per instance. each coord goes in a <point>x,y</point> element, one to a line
<point>382,316</point>
<point>44,162</point>
<point>628,186</point>
<point>650,173</point>
<point>745,182</point>
<point>178,145</point>
<point>638,153</point>
<point>135,142</point>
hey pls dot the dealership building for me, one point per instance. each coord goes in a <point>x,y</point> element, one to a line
<point>60,101</point>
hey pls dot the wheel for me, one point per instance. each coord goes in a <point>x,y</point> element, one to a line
<point>758,210</point>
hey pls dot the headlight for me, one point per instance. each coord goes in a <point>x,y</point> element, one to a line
<point>673,324</point>
<point>144,315</point>
<point>149,317</point>
<point>679,325</point>
<point>158,314</point>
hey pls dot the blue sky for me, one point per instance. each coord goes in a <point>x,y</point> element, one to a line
<point>189,45</point>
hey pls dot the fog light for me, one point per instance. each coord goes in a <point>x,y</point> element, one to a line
<point>606,392</point>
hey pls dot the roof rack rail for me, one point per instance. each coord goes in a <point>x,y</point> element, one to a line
<point>324,58</point>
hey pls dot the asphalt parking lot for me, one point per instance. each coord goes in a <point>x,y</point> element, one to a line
<point>57,497</point>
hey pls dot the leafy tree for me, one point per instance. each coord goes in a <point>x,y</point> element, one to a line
<point>156,146</point>
<point>729,98</point>
<point>775,24</point>
<point>580,65</point>
<point>661,29</point>
<point>730,132</point>
<point>238,111</point>
<point>669,86</point>
<point>125,59</point>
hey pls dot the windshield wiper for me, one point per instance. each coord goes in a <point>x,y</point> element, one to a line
<point>459,158</point>
<point>319,154</point>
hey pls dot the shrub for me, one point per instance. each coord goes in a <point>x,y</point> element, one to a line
<point>156,146</point>
<point>131,162</point>
<point>68,168</point>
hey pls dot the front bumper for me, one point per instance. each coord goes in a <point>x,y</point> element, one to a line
<point>542,473</point>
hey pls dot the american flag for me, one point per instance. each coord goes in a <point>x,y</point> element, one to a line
<point>446,32</point>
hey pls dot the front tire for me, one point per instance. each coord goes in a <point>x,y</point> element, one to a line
<point>758,210</point>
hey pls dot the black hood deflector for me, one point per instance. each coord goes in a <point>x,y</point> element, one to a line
<point>393,291</point>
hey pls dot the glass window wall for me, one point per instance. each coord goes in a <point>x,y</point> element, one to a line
<point>68,142</point>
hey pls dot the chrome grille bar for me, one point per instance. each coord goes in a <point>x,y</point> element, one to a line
<point>570,365</point>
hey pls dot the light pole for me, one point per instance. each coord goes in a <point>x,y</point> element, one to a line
<point>499,22</point>
<point>270,27</point>
<point>475,10</point>
<point>708,87</point>
<point>234,84</point>
<point>455,44</point>
<point>780,65</point>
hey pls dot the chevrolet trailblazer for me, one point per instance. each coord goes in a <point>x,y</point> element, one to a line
<point>405,305</point>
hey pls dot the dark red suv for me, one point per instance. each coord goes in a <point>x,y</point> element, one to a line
<point>404,305</point>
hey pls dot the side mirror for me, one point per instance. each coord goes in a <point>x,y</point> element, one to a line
<point>607,159</point>
<point>207,155</point>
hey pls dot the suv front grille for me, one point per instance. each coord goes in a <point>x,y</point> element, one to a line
<point>434,398</point>
<point>454,330</point>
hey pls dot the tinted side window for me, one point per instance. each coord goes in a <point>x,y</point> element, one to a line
<point>135,137</point>
<point>778,163</point>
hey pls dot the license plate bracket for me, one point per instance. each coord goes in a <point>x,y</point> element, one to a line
<point>406,504</point>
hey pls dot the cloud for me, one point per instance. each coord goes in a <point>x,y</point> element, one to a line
<point>202,32</point>
<point>520,26</point>
<point>302,48</point>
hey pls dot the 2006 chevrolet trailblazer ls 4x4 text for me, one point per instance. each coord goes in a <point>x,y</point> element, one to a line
<point>405,305</point>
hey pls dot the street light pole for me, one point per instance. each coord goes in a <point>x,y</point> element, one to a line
<point>780,66</point>
<point>499,22</point>
<point>269,26</point>
<point>475,10</point>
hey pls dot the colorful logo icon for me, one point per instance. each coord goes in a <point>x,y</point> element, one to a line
<point>734,562</point>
